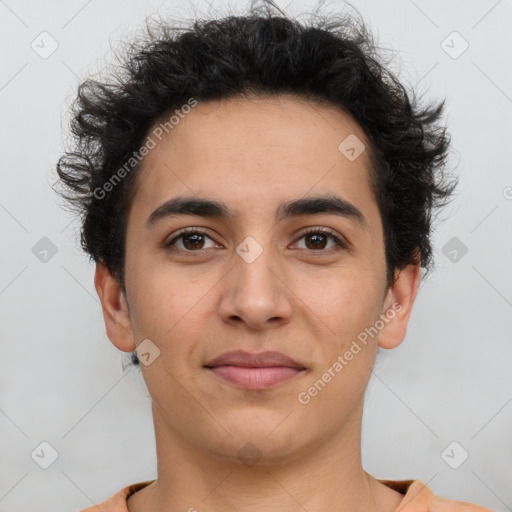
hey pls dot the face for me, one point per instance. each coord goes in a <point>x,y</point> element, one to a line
<point>264,269</point>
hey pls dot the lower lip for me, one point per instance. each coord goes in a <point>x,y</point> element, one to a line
<point>255,378</point>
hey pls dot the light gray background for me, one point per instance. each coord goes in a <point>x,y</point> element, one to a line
<point>62,381</point>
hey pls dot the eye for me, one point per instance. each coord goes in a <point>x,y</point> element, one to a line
<point>316,239</point>
<point>192,240</point>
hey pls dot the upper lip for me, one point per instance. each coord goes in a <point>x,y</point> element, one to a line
<point>253,360</point>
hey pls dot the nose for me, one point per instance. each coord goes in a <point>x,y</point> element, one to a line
<point>256,293</point>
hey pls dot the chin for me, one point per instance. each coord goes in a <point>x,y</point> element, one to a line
<point>260,436</point>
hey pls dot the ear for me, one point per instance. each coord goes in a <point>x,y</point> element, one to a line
<point>115,309</point>
<point>398,306</point>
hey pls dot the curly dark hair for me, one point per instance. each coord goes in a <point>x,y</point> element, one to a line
<point>332,60</point>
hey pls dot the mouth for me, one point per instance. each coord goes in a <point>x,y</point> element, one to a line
<point>255,378</point>
<point>254,371</point>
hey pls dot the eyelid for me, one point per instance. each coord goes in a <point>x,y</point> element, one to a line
<point>340,240</point>
<point>185,231</point>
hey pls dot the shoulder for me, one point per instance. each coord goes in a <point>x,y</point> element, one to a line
<point>419,498</point>
<point>117,503</point>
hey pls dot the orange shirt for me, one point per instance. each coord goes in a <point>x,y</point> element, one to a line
<point>417,498</point>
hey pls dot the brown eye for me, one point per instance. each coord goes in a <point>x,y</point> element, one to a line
<point>317,239</point>
<point>191,240</point>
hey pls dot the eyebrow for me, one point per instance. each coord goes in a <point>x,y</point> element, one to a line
<point>209,208</point>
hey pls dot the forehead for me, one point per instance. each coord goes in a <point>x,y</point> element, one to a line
<point>256,151</point>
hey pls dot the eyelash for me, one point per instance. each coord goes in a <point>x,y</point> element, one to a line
<point>340,244</point>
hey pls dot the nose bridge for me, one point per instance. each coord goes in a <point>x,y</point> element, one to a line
<point>254,268</point>
<point>255,292</point>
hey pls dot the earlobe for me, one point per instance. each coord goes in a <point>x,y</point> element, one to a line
<point>115,309</point>
<point>398,306</point>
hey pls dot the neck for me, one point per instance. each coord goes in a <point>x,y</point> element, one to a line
<point>327,476</point>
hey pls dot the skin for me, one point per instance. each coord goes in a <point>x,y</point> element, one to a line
<point>309,303</point>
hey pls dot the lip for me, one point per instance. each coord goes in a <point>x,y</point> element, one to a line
<point>254,371</point>
<point>254,360</point>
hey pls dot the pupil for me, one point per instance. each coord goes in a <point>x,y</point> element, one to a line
<point>317,237</point>
<point>194,244</point>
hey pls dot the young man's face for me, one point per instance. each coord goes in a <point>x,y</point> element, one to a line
<point>255,282</point>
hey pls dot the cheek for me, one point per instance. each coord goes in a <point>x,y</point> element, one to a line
<point>349,307</point>
<point>345,301</point>
<point>165,297</point>
<point>166,311</point>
